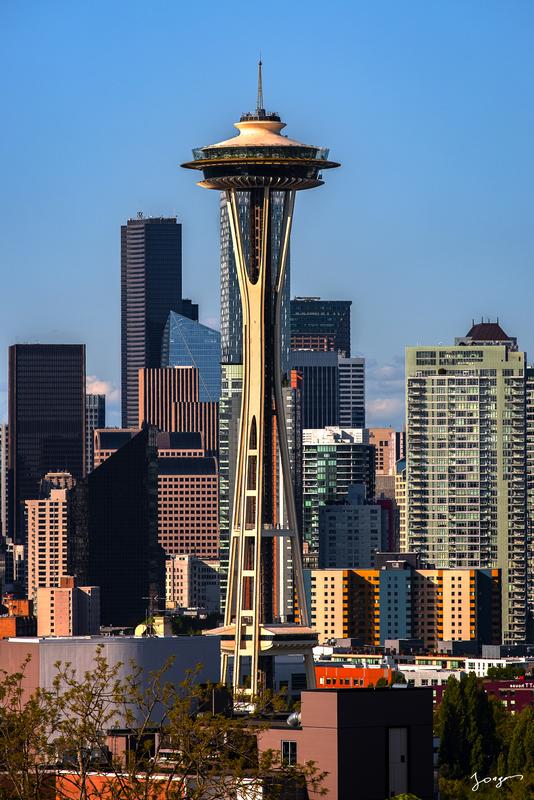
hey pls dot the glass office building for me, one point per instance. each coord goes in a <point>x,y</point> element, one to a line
<point>320,325</point>
<point>187,343</point>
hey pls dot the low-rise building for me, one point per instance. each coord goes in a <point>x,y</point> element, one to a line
<point>378,740</point>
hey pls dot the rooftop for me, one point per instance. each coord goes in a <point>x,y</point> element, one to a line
<point>487,331</point>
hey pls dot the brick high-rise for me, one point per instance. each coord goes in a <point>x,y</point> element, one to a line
<point>169,399</point>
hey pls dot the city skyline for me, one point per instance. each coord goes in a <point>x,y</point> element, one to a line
<point>392,108</point>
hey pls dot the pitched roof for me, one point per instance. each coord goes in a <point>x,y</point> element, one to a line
<point>488,332</point>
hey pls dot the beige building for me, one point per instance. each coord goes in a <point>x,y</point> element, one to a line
<point>46,536</point>
<point>400,500</point>
<point>329,603</point>
<point>192,582</point>
<point>68,609</point>
<point>384,440</point>
<point>466,461</point>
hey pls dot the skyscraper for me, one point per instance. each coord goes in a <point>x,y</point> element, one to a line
<point>4,466</point>
<point>169,399</point>
<point>333,388</point>
<point>151,287</point>
<point>530,497</point>
<point>265,169</point>
<point>466,461</point>
<point>351,377</point>
<point>113,531</point>
<point>320,325</point>
<point>46,538</point>
<point>46,420</point>
<point>334,459</point>
<point>187,343</point>
<point>95,417</point>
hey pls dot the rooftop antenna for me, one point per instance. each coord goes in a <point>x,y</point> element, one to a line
<point>259,103</point>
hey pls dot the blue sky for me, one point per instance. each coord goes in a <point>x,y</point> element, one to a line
<point>428,105</point>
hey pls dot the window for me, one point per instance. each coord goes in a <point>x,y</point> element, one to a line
<point>289,753</point>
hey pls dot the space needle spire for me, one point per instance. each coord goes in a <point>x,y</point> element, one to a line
<point>259,103</point>
<point>260,172</point>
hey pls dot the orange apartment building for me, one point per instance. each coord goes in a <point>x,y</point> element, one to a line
<point>401,602</point>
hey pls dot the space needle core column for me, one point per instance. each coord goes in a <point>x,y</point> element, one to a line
<point>260,170</point>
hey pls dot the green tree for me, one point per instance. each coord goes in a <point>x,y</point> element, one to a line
<point>25,726</point>
<point>508,672</point>
<point>179,745</point>
<point>521,752</point>
<point>481,738</point>
<point>451,727</point>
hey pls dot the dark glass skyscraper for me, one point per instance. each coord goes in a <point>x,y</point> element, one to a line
<point>95,417</point>
<point>333,388</point>
<point>46,420</point>
<point>320,324</point>
<point>151,287</point>
<point>113,531</point>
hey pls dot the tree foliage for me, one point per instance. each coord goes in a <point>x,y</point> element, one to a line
<point>55,742</point>
<point>478,736</point>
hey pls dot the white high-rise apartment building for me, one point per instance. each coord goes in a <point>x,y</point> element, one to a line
<point>466,484</point>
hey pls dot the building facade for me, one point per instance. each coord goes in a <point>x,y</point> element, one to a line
<point>192,582</point>
<point>187,343</point>
<point>188,509</point>
<point>530,499</point>
<point>95,417</point>
<point>333,388</point>
<point>46,540</point>
<point>113,531</point>
<point>68,609</point>
<point>46,420</point>
<point>322,325</point>
<point>169,399</point>
<point>398,601</point>
<point>151,287</point>
<point>351,392</point>
<point>385,441</point>
<point>229,415</point>
<point>333,459</point>
<point>466,461</point>
<point>4,482</point>
<point>351,531</point>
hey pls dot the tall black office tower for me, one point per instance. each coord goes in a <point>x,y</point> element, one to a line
<point>46,420</point>
<point>151,287</point>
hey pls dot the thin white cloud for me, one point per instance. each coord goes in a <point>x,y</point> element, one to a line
<point>95,385</point>
<point>385,392</point>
